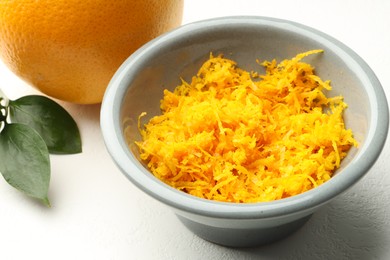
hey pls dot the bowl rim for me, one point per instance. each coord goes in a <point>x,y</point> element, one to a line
<point>111,127</point>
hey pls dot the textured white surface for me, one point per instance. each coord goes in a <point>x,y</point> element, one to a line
<point>97,214</point>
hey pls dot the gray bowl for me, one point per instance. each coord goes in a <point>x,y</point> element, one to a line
<point>138,86</point>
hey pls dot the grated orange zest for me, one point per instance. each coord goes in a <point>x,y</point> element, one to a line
<point>236,136</point>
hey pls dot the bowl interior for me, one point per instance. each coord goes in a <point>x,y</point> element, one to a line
<point>181,57</point>
<point>161,64</point>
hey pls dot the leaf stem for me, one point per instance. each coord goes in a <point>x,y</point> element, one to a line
<point>4,101</point>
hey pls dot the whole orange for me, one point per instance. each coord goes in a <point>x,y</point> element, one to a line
<point>70,49</point>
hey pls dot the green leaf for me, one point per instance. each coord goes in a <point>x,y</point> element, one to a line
<point>24,161</point>
<point>53,123</point>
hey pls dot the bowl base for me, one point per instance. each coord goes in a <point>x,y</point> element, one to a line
<point>243,237</point>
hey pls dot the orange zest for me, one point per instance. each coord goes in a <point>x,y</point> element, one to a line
<point>234,136</point>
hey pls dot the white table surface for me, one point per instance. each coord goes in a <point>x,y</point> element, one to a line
<point>97,214</point>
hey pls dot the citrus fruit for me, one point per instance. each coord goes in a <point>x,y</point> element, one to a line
<point>70,49</point>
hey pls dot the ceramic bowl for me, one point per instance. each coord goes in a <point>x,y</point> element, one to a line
<point>138,87</point>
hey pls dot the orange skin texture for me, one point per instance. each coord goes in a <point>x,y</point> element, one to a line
<point>70,49</point>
